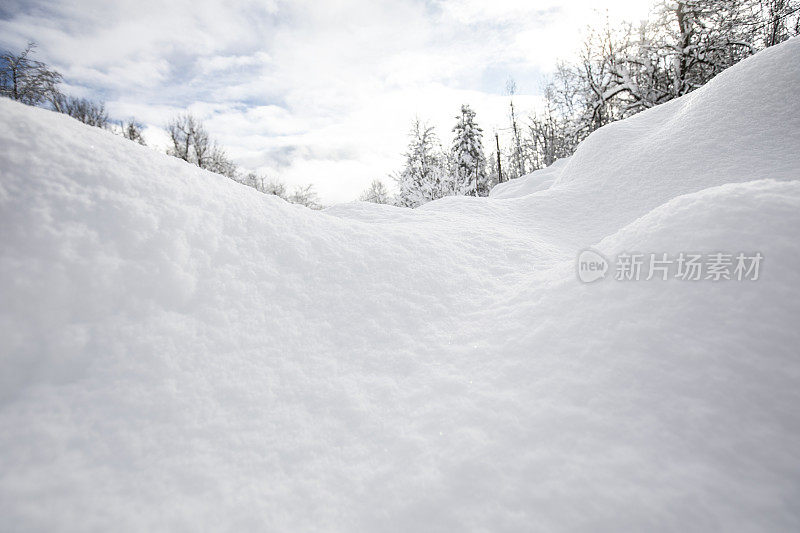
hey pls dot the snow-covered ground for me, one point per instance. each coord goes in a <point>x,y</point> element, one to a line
<point>183,353</point>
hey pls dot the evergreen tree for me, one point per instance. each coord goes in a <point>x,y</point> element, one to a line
<point>468,158</point>
<point>424,177</point>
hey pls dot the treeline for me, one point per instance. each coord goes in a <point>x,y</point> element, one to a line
<point>34,83</point>
<point>620,71</point>
<point>432,172</point>
<point>191,142</point>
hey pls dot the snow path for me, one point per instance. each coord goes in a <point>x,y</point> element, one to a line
<point>183,353</point>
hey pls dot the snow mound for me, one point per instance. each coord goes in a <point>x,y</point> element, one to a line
<point>531,183</point>
<point>181,352</point>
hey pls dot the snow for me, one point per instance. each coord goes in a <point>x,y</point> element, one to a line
<point>184,353</point>
<point>533,182</point>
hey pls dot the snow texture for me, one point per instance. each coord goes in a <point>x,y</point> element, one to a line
<point>184,353</point>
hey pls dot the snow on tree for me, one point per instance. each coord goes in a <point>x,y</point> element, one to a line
<point>424,176</point>
<point>698,39</point>
<point>305,195</point>
<point>684,46</point>
<point>781,20</point>
<point>626,69</point>
<point>469,161</point>
<point>548,134</point>
<point>376,193</point>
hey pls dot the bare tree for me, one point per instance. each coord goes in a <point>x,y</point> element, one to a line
<point>302,195</point>
<point>34,83</point>
<point>781,20</point>
<point>132,130</point>
<point>275,187</point>
<point>189,139</point>
<point>87,111</point>
<point>26,80</point>
<point>549,134</point>
<point>305,195</point>
<point>263,184</point>
<point>192,143</point>
<point>695,40</point>
<point>624,70</point>
<point>518,156</point>
<point>376,193</point>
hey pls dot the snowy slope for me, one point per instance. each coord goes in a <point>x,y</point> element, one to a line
<point>184,353</point>
<point>533,182</point>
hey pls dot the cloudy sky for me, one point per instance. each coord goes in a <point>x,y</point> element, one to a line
<point>308,91</point>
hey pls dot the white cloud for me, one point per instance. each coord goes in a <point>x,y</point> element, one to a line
<point>309,91</point>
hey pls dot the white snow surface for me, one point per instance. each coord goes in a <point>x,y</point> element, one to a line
<point>533,182</point>
<point>181,353</point>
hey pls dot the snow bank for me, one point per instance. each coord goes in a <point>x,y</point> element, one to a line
<point>183,353</point>
<point>531,183</point>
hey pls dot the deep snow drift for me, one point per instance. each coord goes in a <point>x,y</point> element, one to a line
<point>183,353</point>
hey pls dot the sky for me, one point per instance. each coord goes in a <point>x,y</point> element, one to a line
<point>308,91</point>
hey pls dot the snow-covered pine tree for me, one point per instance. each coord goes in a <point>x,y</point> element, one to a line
<point>469,160</point>
<point>423,178</point>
